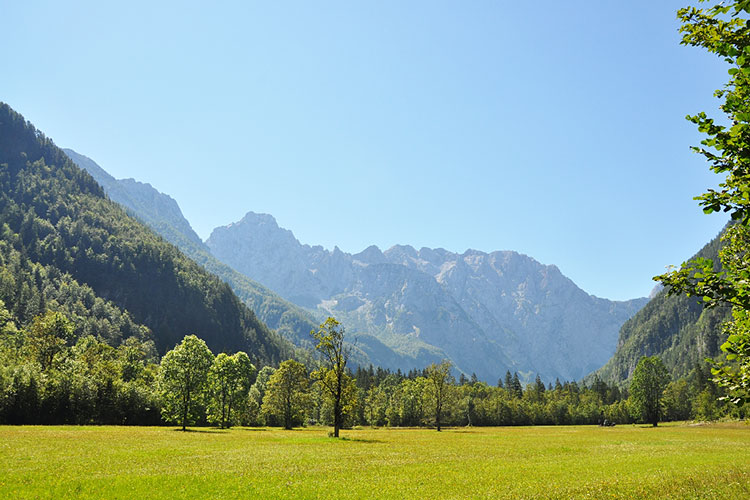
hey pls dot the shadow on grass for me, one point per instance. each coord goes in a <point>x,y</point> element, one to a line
<point>360,440</point>
<point>204,431</point>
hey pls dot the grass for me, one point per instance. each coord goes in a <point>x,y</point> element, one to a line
<point>671,461</point>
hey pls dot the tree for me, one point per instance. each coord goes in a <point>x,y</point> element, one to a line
<point>256,394</point>
<point>515,386</point>
<point>229,383</point>
<point>332,376</point>
<point>722,29</point>
<point>182,380</point>
<point>647,387</point>
<point>7,325</point>
<point>287,395</point>
<point>440,383</point>
<point>47,336</point>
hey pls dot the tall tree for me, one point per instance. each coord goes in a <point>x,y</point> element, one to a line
<point>288,393</point>
<point>722,29</point>
<point>332,376</point>
<point>182,380</point>
<point>229,383</point>
<point>256,394</point>
<point>440,383</point>
<point>647,388</point>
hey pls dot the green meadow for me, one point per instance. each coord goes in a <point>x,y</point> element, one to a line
<point>671,461</point>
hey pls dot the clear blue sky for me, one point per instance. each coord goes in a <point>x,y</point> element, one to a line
<point>555,129</point>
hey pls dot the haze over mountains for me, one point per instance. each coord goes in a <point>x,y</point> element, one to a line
<point>162,214</point>
<point>427,304</point>
<point>488,313</point>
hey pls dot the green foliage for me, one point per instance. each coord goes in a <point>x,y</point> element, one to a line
<point>229,382</point>
<point>182,381</point>
<point>86,383</point>
<point>439,390</point>
<point>254,413</point>
<point>338,388</point>
<point>647,387</point>
<point>54,215</point>
<point>287,395</point>
<point>147,205</point>
<point>47,336</point>
<point>722,29</point>
<point>677,328</point>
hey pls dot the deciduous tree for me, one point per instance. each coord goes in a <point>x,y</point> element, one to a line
<point>332,376</point>
<point>647,387</point>
<point>440,384</point>
<point>287,395</point>
<point>229,383</point>
<point>182,380</point>
<point>47,336</point>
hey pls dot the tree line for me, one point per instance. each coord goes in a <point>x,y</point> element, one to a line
<point>48,375</point>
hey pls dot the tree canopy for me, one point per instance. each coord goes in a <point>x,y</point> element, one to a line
<point>287,395</point>
<point>647,387</point>
<point>183,377</point>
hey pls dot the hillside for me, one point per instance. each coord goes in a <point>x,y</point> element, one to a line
<point>676,328</point>
<point>487,312</point>
<point>55,215</point>
<point>163,215</point>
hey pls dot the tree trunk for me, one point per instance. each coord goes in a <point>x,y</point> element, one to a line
<point>438,411</point>
<point>185,411</point>
<point>336,418</point>
<point>229,413</point>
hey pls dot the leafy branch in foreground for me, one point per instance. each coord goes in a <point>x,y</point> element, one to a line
<point>724,29</point>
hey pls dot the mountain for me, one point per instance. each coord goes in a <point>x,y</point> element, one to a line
<point>678,329</point>
<point>162,214</point>
<point>488,313</point>
<point>56,218</point>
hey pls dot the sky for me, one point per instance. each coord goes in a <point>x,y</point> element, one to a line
<point>555,129</point>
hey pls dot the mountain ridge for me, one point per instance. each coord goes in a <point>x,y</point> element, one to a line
<point>676,328</point>
<point>144,202</point>
<point>496,299</point>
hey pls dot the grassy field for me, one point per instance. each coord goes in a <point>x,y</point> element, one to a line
<point>671,461</point>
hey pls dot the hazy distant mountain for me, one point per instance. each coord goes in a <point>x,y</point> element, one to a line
<point>486,312</point>
<point>677,328</point>
<point>162,213</point>
<point>159,211</point>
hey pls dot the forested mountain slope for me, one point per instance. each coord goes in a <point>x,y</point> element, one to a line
<point>677,328</point>
<point>55,215</point>
<point>162,214</point>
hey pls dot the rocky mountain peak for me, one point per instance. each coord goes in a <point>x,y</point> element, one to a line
<point>502,306</point>
<point>370,255</point>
